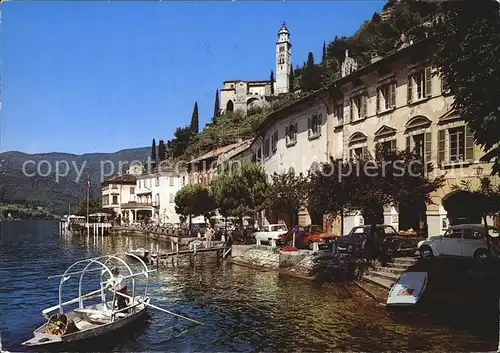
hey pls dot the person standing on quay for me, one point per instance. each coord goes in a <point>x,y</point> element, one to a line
<point>209,233</point>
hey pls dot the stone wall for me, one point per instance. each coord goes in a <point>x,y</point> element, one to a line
<point>301,262</point>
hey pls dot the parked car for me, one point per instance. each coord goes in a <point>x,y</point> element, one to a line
<point>306,236</point>
<point>385,234</point>
<point>269,232</point>
<point>461,241</point>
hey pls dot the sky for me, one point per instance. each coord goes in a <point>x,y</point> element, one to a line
<point>83,77</point>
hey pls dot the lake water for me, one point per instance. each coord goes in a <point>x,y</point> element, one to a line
<point>244,310</point>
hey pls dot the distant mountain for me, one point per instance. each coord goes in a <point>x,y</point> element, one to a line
<point>41,188</point>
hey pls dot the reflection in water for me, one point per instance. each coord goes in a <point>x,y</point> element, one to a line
<point>243,309</point>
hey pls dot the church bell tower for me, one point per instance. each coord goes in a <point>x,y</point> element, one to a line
<point>283,61</point>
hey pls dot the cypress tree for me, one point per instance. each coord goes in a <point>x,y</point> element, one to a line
<point>271,78</point>
<point>195,123</point>
<point>153,151</point>
<point>291,78</point>
<point>162,153</point>
<point>323,58</point>
<point>216,105</point>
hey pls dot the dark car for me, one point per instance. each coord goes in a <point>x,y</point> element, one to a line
<point>385,234</point>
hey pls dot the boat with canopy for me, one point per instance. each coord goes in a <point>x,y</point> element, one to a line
<point>114,309</point>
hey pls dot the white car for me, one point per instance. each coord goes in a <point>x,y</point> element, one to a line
<point>463,241</point>
<point>270,232</point>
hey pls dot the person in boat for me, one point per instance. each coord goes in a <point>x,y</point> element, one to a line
<point>115,283</point>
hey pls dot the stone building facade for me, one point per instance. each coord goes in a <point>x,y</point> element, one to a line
<point>400,102</point>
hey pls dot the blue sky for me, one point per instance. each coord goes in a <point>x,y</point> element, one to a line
<point>103,76</point>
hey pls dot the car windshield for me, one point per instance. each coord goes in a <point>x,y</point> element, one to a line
<point>278,228</point>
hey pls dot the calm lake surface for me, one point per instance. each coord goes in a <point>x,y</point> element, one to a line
<point>244,310</point>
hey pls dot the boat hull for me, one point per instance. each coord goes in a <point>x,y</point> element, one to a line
<point>407,291</point>
<point>44,339</point>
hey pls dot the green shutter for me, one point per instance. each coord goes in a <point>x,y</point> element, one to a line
<point>410,89</point>
<point>393,94</point>
<point>428,82</point>
<point>309,123</point>
<point>364,106</point>
<point>378,100</point>
<point>469,144</point>
<point>393,145</point>
<point>287,135</point>
<point>428,146</point>
<point>408,143</point>
<point>441,145</point>
<point>351,110</point>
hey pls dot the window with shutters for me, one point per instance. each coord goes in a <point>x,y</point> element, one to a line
<point>291,134</point>
<point>420,144</point>
<point>274,141</point>
<point>358,107</point>
<point>267,148</point>
<point>314,126</point>
<point>259,155</point>
<point>455,145</point>
<point>358,153</point>
<point>386,97</point>
<point>419,85</point>
<point>389,146</point>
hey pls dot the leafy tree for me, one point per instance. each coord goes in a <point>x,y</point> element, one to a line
<point>287,194</point>
<point>153,151</point>
<point>162,152</point>
<point>476,202</point>
<point>326,192</point>
<point>271,78</point>
<point>390,177</point>
<point>193,200</point>
<point>95,205</point>
<point>241,190</point>
<point>216,107</point>
<point>468,52</point>
<point>195,121</point>
<point>180,142</point>
<point>369,184</point>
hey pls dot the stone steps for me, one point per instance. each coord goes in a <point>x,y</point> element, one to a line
<point>378,281</point>
<point>405,261</point>
<point>394,270</point>
<point>385,275</point>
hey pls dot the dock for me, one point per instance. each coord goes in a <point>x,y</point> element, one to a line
<point>160,257</point>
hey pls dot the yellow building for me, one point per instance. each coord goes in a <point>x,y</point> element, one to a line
<point>400,102</point>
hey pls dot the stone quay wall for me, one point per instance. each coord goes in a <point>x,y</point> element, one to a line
<point>300,263</point>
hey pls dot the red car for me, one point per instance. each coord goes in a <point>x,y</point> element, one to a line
<point>306,236</point>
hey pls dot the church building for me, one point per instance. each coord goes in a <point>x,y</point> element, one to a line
<point>244,94</point>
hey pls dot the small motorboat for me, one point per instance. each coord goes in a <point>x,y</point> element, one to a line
<point>139,252</point>
<point>408,289</point>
